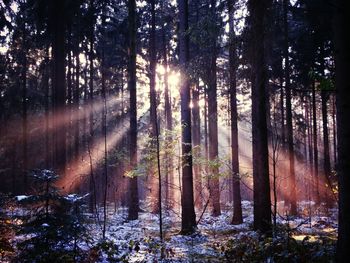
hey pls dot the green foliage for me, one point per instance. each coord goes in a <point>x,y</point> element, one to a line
<point>110,250</point>
<point>53,229</point>
<point>324,84</point>
<point>283,248</point>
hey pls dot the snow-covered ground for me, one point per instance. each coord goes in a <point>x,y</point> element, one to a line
<point>138,240</point>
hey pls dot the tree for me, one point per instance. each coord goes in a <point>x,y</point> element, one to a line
<point>214,186</point>
<point>169,173</point>
<point>59,87</point>
<point>289,117</point>
<point>133,187</point>
<point>236,187</point>
<point>342,58</point>
<point>262,201</point>
<point>153,104</point>
<point>188,217</point>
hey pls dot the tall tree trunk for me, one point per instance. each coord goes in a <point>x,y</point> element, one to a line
<point>310,148</point>
<point>104,126</point>
<point>214,186</point>
<point>262,201</point>
<point>188,217</point>
<point>24,109</point>
<point>153,106</point>
<point>59,87</point>
<point>69,91</point>
<point>76,102</point>
<point>283,133</point>
<point>196,142</point>
<point>289,117</point>
<point>334,124</point>
<point>169,122</point>
<point>326,156</point>
<point>315,155</point>
<point>236,187</point>
<point>342,58</point>
<point>47,109</point>
<point>133,187</point>
<point>92,201</point>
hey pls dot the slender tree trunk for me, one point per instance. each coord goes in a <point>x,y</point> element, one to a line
<point>334,123</point>
<point>59,87</point>
<point>262,201</point>
<point>283,134</point>
<point>76,102</point>
<point>104,128</point>
<point>236,187</point>
<point>24,110</point>
<point>342,58</point>
<point>91,113</point>
<point>326,156</point>
<point>310,148</point>
<point>169,123</point>
<point>214,187</point>
<point>188,217</point>
<point>289,117</point>
<point>153,106</point>
<point>47,110</point>
<point>315,148</point>
<point>133,186</point>
<point>196,142</point>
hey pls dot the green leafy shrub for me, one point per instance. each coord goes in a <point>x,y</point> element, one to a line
<point>283,248</point>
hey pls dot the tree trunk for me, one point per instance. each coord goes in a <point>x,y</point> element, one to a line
<point>24,110</point>
<point>188,217</point>
<point>59,87</point>
<point>133,187</point>
<point>289,117</point>
<point>169,123</point>
<point>92,201</point>
<point>334,124</point>
<point>104,126</point>
<point>153,116</point>
<point>342,58</point>
<point>76,102</point>
<point>262,201</point>
<point>214,186</point>
<point>47,109</point>
<point>236,187</point>
<point>196,142</point>
<point>326,156</point>
<point>315,155</point>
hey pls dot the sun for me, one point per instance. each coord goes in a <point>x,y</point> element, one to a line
<point>174,78</point>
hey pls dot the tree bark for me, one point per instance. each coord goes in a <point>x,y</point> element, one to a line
<point>188,217</point>
<point>24,109</point>
<point>315,147</point>
<point>153,108</point>
<point>262,200</point>
<point>289,116</point>
<point>133,186</point>
<point>214,183</point>
<point>342,58</point>
<point>59,86</point>
<point>169,180</point>
<point>236,187</point>
<point>196,142</point>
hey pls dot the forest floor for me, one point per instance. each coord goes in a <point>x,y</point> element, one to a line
<point>138,240</point>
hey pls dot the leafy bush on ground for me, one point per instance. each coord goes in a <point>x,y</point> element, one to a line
<point>282,248</point>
